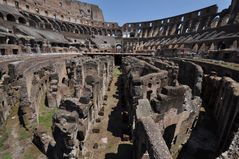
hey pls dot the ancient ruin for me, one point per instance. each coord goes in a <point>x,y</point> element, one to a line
<point>73,86</point>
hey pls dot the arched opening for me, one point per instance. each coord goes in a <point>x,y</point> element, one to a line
<point>156,32</point>
<point>132,34</point>
<point>161,30</point>
<point>196,26</point>
<point>1,15</point>
<point>173,30</point>
<point>1,73</point>
<point>195,48</point>
<point>66,27</point>
<point>179,29</point>
<point>225,20</point>
<point>212,47</point>
<point>2,51</point>
<point>81,30</point>
<point>236,19</point>
<point>221,45</point>
<point>76,31</point>
<point>109,33</point>
<point>118,48</point>
<point>187,30</point>
<point>22,20</point>
<point>32,23</point>
<point>10,40</point>
<point>215,21</point>
<point>118,33</point>
<point>94,31</point>
<point>149,94</point>
<point>167,31</point>
<point>99,32</point>
<point>11,18</point>
<point>104,32</point>
<point>151,31</point>
<point>80,136</point>
<point>64,81</point>
<point>234,44</point>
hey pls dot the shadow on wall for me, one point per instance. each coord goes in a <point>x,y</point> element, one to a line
<point>116,125</point>
<point>124,152</point>
<point>203,141</point>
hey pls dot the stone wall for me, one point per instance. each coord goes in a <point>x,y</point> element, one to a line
<point>220,96</point>
<point>191,74</point>
<point>73,9</point>
<point>81,84</point>
<point>232,152</point>
<point>219,68</point>
<point>31,81</point>
<point>150,141</point>
<point>153,89</point>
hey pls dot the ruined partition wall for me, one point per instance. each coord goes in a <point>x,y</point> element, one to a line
<point>221,96</point>
<point>153,91</point>
<point>75,85</point>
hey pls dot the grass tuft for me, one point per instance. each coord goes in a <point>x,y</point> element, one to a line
<point>24,134</point>
<point>45,116</point>
<point>3,138</point>
<point>117,72</point>
<point>7,156</point>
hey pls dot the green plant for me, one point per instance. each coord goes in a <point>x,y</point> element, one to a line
<point>3,138</point>
<point>45,115</point>
<point>7,156</point>
<point>45,119</point>
<point>23,134</point>
<point>117,72</point>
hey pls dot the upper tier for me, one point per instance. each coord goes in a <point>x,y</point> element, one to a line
<point>66,10</point>
<point>194,21</point>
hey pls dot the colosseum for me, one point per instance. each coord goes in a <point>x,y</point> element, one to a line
<point>73,86</point>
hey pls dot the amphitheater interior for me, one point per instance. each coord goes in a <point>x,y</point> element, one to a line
<point>73,86</point>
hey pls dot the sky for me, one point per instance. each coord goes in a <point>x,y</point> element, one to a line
<point>123,11</point>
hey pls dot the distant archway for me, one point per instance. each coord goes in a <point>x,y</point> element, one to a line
<point>118,48</point>
<point>11,18</point>
<point>215,22</point>
<point>22,20</point>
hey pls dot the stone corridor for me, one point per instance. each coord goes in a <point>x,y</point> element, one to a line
<point>107,142</point>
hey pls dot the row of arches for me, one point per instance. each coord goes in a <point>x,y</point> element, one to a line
<point>12,18</point>
<point>184,27</point>
<point>59,26</point>
<point>181,42</point>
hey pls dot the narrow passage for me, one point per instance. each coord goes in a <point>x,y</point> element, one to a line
<point>108,144</point>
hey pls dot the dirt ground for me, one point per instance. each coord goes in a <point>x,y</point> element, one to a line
<point>15,141</point>
<point>109,141</point>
